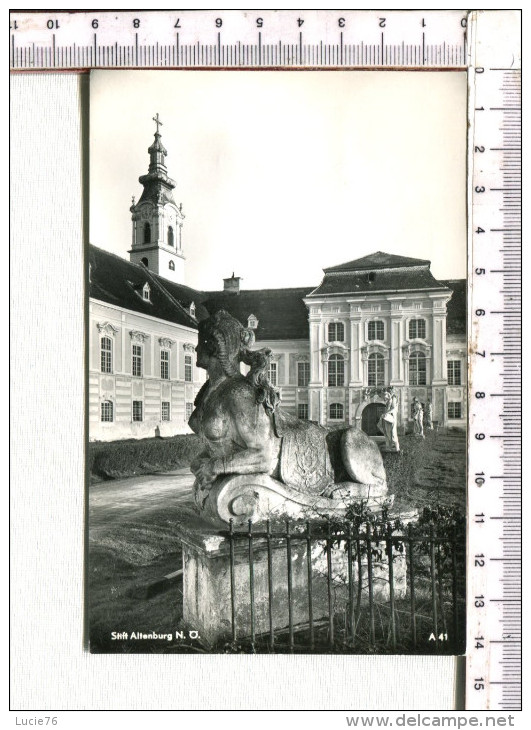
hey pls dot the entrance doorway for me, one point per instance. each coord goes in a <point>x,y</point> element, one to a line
<point>370,417</point>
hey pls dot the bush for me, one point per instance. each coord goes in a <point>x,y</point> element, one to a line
<point>119,459</point>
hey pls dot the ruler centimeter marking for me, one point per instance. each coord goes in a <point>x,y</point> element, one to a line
<point>419,40</point>
<point>238,39</point>
<point>494,597</point>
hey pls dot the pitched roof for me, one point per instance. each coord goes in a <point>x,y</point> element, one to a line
<point>457,307</point>
<point>378,260</point>
<point>281,313</point>
<point>116,281</point>
<point>364,282</point>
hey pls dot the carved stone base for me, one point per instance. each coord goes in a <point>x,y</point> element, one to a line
<point>258,497</point>
<point>207,601</point>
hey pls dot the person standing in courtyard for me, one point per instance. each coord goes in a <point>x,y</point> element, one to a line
<point>418,418</point>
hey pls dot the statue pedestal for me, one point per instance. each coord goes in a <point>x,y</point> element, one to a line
<point>207,566</point>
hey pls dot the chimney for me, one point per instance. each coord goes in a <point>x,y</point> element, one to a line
<point>232,284</point>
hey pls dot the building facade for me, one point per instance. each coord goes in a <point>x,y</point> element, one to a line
<point>377,321</point>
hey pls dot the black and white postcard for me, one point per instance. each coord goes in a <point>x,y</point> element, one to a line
<point>277,362</point>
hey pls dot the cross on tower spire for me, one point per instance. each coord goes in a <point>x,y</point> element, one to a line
<point>157,121</point>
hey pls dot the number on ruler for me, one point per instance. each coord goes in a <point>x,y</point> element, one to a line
<point>479,562</point>
<point>52,24</point>
<point>13,25</point>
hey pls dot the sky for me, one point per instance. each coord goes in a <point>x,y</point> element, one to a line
<point>282,174</point>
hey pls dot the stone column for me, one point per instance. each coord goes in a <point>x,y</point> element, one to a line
<point>396,374</point>
<point>355,357</point>
<point>438,374</point>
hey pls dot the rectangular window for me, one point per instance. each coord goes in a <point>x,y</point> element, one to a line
<point>188,410</point>
<point>165,410</point>
<point>375,331</point>
<point>188,368</point>
<point>336,332</point>
<point>417,329</point>
<point>336,371</point>
<point>302,411</point>
<point>106,355</point>
<point>417,369</point>
<point>106,411</point>
<point>375,370</point>
<point>303,374</point>
<point>137,361</point>
<point>454,410</point>
<point>454,372</point>
<point>137,410</point>
<point>165,364</point>
<point>272,373</point>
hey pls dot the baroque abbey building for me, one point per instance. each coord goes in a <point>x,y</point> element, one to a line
<point>372,322</point>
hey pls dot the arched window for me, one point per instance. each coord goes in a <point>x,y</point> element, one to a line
<point>336,332</point>
<point>147,233</point>
<point>107,410</point>
<point>106,354</point>
<point>171,240</point>
<point>417,369</point>
<point>171,266</point>
<point>336,411</point>
<point>376,369</point>
<point>417,329</point>
<point>375,330</point>
<point>336,371</point>
<point>146,292</point>
<point>145,262</point>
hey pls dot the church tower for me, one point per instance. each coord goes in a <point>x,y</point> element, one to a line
<point>157,221</point>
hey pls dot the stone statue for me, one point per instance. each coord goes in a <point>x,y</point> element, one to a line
<point>418,418</point>
<point>277,465</point>
<point>429,415</point>
<point>389,421</point>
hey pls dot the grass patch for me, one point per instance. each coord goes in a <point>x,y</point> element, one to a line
<point>122,459</point>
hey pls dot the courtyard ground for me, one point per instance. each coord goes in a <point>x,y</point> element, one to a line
<point>132,542</point>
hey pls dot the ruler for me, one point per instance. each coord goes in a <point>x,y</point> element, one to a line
<point>487,44</point>
<point>238,39</point>
<point>495,404</point>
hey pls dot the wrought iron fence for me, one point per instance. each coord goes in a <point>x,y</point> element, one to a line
<point>346,588</point>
